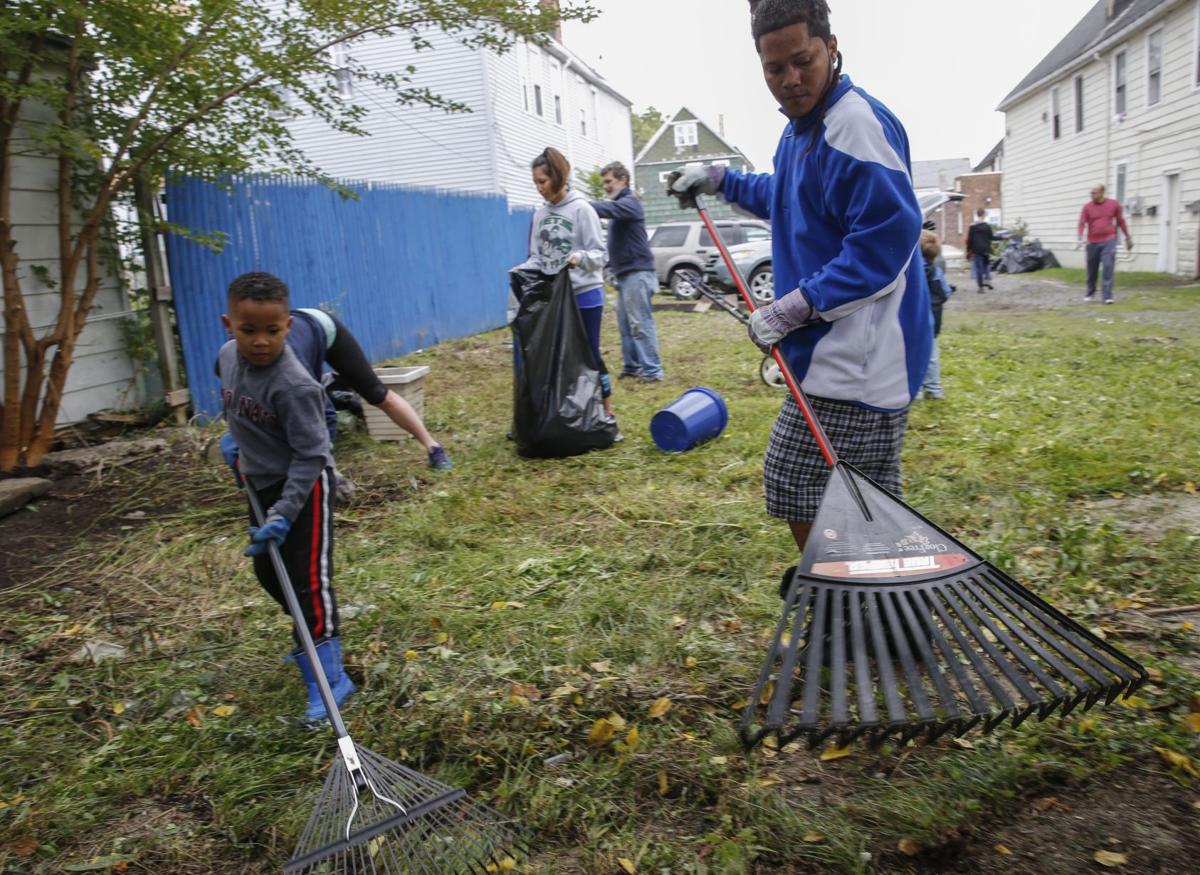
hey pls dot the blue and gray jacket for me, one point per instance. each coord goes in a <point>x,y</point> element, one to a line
<point>845,226</point>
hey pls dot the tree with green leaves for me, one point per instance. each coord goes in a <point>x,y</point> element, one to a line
<point>97,95</point>
<point>645,126</point>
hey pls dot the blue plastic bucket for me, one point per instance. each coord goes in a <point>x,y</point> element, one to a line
<point>696,416</point>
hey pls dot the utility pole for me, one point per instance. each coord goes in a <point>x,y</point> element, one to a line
<point>175,394</point>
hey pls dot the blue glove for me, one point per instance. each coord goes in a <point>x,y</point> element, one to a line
<point>687,182</point>
<point>229,449</point>
<point>275,529</point>
<point>770,324</point>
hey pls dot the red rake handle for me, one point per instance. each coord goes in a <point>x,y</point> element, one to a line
<point>814,424</point>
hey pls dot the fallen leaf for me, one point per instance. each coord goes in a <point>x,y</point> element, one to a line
<point>1192,722</point>
<point>602,732</point>
<point>508,864</point>
<point>965,744</point>
<point>441,637</point>
<point>1087,724</point>
<point>74,630</point>
<point>909,847</point>
<point>1189,488</point>
<point>659,708</point>
<point>678,622</point>
<point>764,697</point>
<point>1110,859</point>
<point>1045,803</point>
<point>1154,674</point>
<point>564,691</point>
<point>1178,761</point>
<point>603,666</point>
<point>718,761</point>
<point>812,837</point>
<point>617,721</point>
<point>664,785</point>
<point>118,708</point>
<point>23,846</point>
<point>195,715</point>
<point>834,752</point>
<point>631,740</point>
<point>691,662</point>
<point>1001,849</point>
<point>627,865</point>
<point>411,654</point>
<point>1133,702</point>
<point>223,710</point>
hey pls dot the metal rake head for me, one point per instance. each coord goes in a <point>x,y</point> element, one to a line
<point>891,628</point>
<point>400,821</point>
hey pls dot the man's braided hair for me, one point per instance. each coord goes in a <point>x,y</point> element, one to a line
<point>773,15</point>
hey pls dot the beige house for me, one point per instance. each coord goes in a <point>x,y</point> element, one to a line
<point>1117,102</point>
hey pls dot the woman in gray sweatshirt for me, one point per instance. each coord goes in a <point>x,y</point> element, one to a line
<point>566,233</point>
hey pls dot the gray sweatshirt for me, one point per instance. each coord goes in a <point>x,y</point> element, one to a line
<point>558,230</point>
<point>276,413</point>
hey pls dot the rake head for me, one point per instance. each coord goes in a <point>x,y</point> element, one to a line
<point>384,819</point>
<point>891,628</point>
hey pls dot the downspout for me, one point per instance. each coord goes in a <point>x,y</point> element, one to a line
<point>489,102</point>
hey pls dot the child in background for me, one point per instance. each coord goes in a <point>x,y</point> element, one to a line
<point>278,445</point>
<point>939,292</point>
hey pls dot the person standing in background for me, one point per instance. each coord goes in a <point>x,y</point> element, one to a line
<point>632,264</point>
<point>1101,217</point>
<point>979,250</point>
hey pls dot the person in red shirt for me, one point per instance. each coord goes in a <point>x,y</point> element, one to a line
<point>1102,216</point>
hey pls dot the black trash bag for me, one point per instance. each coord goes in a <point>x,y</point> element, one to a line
<point>1023,257</point>
<point>558,409</point>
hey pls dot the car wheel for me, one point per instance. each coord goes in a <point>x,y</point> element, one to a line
<point>762,285</point>
<point>771,374</point>
<point>683,283</point>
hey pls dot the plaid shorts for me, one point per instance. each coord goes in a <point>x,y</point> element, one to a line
<point>795,472</point>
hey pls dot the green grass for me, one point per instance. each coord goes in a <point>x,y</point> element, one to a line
<point>1122,279</point>
<point>495,612</point>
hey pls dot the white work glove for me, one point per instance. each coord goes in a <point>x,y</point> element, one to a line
<point>687,182</point>
<point>770,324</point>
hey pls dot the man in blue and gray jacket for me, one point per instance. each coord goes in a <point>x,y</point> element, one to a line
<point>853,318</point>
<point>632,263</point>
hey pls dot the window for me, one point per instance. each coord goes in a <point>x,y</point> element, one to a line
<point>1078,104</point>
<point>685,134</point>
<point>341,71</point>
<point>583,122</point>
<point>668,235</point>
<point>1119,84</point>
<point>730,234</point>
<point>755,233</point>
<point>558,109</point>
<point>537,99</point>
<point>1196,51</point>
<point>523,72</point>
<point>1119,187</point>
<point>1055,117</point>
<point>1154,57</point>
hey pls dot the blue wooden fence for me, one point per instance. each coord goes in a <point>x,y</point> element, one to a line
<point>403,268</point>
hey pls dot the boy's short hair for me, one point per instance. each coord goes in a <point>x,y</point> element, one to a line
<point>981,212</point>
<point>931,248</point>
<point>773,15</point>
<point>257,286</point>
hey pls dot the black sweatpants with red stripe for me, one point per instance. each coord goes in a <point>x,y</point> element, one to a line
<point>308,557</point>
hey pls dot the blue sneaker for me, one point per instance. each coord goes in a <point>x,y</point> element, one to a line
<point>439,460</point>
<point>330,654</point>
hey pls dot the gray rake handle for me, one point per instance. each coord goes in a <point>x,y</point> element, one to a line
<point>345,743</point>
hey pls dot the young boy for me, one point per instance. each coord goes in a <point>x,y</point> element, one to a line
<point>278,444</point>
<point>939,292</point>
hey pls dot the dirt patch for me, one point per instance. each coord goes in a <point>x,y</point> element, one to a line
<point>1149,516</point>
<point>1137,811</point>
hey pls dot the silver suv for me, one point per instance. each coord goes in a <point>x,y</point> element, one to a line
<point>682,248</point>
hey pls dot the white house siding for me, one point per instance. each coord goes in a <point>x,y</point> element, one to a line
<point>487,149</point>
<point>521,133</point>
<point>411,145</point>
<point>1046,181</point>
<point>102,375</point>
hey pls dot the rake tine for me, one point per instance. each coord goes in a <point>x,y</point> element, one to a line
<point>1073,703</point>
<point>961,606</point>
<point>990,723</point>
<point>868,716</point>
<point>977,663</point>
<point>934,634</point>
<point>815,647</point>
<point>1020,716</point>
<point>839,714</point>
<point>782,698</point>
<point>917,635</point>
<point>965,726</point>
<point>916,689</point>
<point>883,662</point>
<point>937,730</point>
<point>1047,709</point>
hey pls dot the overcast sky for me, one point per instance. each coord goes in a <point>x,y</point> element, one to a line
<point>941,65</point>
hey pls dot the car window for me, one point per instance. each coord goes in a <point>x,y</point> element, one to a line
<point>756,232</point>
<point>731,234</point>
<point>669,235</point>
